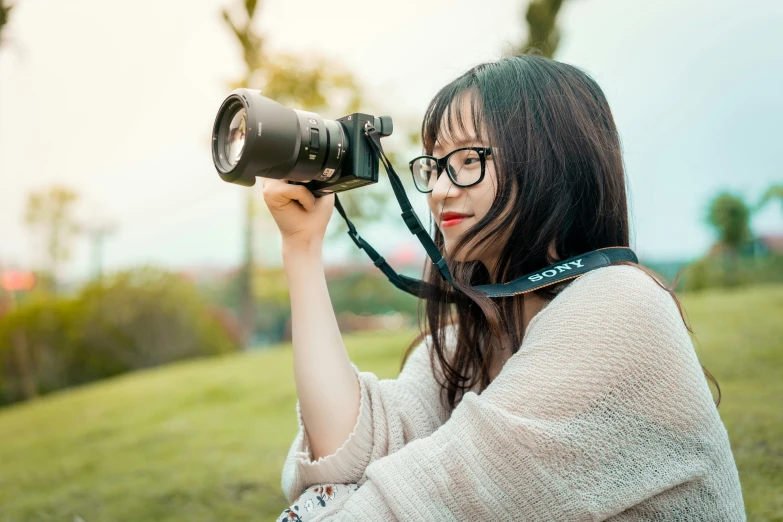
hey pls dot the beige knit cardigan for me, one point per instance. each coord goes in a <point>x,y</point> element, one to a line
<point>602,414</point>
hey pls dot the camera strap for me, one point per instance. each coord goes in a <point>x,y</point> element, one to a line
<point>561,271</point>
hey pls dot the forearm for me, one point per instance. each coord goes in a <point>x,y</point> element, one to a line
<point>326,384</point>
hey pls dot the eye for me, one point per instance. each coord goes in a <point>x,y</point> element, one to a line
<point>470,158</point>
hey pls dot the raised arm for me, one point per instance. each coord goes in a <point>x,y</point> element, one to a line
<point>321,364</point>
<point>322,368</point>
<point>347,419</point>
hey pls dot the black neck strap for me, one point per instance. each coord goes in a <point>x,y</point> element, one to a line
<point>561,271</point>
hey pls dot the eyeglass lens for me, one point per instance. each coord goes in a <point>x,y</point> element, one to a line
<point>464,169</point>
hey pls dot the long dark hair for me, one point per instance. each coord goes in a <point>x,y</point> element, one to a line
<point>560,181</point>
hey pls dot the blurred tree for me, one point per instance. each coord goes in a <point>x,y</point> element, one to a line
<point>729,216</point>
<point>774,192</point>
<point>543,32</point>
<point>251,44</point>
<point>293,82</point>
<point>50,212</point>
<point>733,260</point>
<point>5,12</point>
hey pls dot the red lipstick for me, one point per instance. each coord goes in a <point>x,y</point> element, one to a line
<point>450,219</point>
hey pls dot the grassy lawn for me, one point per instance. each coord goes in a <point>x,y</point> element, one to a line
<point>205,440</point>
<point>739,338</point>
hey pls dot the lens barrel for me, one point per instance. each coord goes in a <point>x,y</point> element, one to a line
<point>255,136</point>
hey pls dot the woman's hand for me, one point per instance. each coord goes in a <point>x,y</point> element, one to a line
<point>300,216</point>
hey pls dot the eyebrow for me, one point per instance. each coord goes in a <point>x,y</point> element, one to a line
<point>457,144</point>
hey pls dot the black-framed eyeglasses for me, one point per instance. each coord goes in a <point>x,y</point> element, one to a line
<point>465,167</point>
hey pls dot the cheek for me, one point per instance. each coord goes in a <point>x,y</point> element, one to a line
<point>483,199</point>
<point>489,187</point>
<point>432,205</point>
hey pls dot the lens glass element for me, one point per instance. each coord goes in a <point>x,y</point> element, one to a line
<point>425,172</point>
<point>235,141</point>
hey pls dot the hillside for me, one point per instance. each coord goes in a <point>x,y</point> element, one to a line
<point>205,440</point>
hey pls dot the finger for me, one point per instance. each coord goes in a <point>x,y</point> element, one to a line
<point>307,200</point>
<point>268,185</point>
<point>284,193</point>
<point>303,195</point>
<point>276,190</point>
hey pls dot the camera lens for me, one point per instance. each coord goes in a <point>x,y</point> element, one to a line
<point>256,136</point>
<point>237,130</point>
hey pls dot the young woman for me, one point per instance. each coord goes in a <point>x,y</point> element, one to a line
<point>580,402</point>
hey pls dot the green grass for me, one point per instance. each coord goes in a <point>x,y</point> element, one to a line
<point>198,441</point>
<point>739,338</point>
<point>205,440</point>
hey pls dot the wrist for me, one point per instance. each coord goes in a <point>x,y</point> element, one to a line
<point>293,251</point>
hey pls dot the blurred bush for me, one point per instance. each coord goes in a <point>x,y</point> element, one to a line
<point>134,319</point>
<point>726,271</point>
<point>368,292</point>
<point>354,291</point>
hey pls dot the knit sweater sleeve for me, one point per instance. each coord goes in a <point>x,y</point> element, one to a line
<point>392,412</point>
<point>603,413</point>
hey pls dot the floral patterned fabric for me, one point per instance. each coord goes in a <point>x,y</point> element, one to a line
<point>314,499</point>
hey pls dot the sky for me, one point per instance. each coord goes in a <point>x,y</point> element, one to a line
<point>117,101</point>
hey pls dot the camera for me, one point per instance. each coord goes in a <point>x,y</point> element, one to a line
<point>257,136</point>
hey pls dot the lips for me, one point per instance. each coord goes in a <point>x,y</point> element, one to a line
<point>449,219</point>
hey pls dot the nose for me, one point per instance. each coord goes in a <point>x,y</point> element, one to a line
<point>444,189</point>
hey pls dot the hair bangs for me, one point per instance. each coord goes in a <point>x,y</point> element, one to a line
<point>446,117</point>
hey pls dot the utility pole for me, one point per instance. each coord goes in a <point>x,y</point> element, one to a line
<point>97,235</point>
<point>246,295</point>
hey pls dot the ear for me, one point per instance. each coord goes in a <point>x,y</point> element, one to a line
<point>551,254</point>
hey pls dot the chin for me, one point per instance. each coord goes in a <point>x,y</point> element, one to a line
<point>462,257</point>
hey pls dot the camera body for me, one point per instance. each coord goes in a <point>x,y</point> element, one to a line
<point>361,164</point>
<point>255,136</point>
